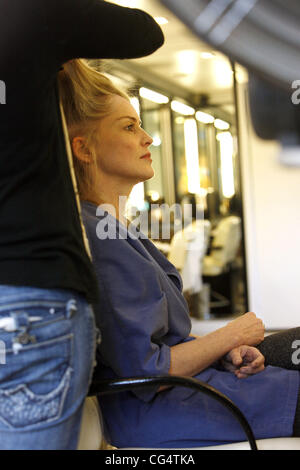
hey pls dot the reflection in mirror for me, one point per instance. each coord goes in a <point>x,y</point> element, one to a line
<point>200,139</point>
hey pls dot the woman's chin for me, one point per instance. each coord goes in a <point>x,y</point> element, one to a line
<point>151,174</point>
<point>146,175</point>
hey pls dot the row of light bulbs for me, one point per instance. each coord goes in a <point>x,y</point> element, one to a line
<point>191,142</point>
<point>183,109</point>
<point>191,148</point>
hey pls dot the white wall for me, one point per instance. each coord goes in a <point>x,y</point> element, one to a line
<point>271,197</point>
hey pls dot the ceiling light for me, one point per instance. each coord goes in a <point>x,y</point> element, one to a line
<point>182,108</point>
<point>221,125</point>
<point>191,155</point>
<point>187,61</point>
<point>153,96</point>
<point>205,118</point>
<point>179,120</point>
<point>223,73</point>
<point>207,55</point>
<point>156,141</point>
<point>154,195</point>
<point>161,20</point>
<point>227,171</point>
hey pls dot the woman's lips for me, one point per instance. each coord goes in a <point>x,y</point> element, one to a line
<point>147,156</point>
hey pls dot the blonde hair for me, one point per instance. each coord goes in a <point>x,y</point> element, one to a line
<point>85,94</point>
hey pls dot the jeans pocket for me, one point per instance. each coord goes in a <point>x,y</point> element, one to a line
<point>34,383</point>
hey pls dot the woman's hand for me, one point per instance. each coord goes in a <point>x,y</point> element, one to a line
<point>246,329</point>
<point>244,361</point>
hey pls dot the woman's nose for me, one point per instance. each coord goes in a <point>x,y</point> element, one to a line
<point>147,139</point>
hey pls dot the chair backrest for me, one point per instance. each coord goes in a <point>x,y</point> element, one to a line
<point>91,433</point>
<point>187,250</point>
<point>194,237</point>
<point>226,240</point>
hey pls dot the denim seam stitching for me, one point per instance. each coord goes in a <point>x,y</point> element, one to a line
<point>44,322</point>
<point>33,303</point>
<point>64,385</point>
<point>45,343</point>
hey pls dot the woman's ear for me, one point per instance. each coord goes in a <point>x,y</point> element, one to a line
<point>80,149</point>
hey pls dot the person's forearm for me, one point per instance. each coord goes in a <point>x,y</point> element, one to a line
<point>190,358</point>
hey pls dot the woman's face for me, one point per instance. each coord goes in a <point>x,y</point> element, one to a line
<point>122,145</point>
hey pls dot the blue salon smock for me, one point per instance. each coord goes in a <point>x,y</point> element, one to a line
<point>141,315</point>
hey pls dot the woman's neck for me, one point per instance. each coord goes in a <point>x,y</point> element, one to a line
<point>114,202</point>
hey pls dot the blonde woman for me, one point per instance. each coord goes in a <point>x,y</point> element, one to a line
<point>142,313</point>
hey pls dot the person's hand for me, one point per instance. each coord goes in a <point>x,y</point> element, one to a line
<point>244,361</point>
<point>246,329</point>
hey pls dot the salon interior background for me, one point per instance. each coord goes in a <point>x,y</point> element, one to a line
<point>204,144</point>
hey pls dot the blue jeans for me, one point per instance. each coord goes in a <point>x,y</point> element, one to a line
<point>47,349</point>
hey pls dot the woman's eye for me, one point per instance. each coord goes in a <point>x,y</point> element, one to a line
<point>130,127</point>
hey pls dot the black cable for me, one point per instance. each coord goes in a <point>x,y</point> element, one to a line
<point>121,385</point>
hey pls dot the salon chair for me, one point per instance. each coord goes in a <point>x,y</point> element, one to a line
<point>92,436</point>
<point>187,250</point>
<point>218,266</point>
<point>225,244</point>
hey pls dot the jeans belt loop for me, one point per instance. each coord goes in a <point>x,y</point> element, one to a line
<point>71,308</point>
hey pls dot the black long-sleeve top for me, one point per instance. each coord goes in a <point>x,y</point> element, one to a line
<point>41,242</point>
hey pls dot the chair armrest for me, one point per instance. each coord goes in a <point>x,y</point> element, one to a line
<point>120,385</point>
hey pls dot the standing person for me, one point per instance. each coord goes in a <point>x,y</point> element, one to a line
<point>47,283</point>
<point>142,313</point>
